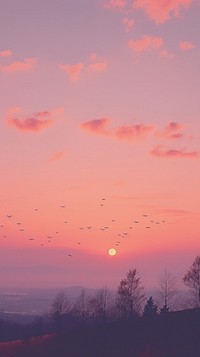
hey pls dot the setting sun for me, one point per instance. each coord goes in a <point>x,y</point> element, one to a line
<point>112,251</point>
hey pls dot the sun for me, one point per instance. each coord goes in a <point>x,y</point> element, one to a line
<point>112,251</point>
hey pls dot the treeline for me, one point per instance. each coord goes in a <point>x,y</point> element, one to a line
<point>104,306</point>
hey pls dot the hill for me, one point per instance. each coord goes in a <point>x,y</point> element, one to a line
<point>174,334</point>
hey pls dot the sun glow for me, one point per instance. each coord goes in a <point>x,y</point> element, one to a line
<point>112,251</point>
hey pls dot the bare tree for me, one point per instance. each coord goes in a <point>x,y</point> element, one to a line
<point>81,307</point>
<point>60,308</point>
<point>130,295</point>
<point>192,280</point>
<point>100,304</point>
<point>167,290</point>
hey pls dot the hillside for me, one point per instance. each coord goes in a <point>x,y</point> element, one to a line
<point>172,335</point>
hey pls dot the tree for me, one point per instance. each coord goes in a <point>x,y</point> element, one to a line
<point>167,290</point>
<point>100,304</point>
<point>81,307</point>
<point>130,294</point>
<point>150,308</point>
<point>59,309</point>
<point>192,280</point>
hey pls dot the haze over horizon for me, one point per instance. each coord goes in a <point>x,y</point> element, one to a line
<point>99,140</point>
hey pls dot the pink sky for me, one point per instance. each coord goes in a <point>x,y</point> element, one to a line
<point>99,114</point>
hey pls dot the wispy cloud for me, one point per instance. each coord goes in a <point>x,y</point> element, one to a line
<point>133,132</point>
<point>98,64</point>
<point>73,70</point>
<point>166,54</point>
<point>186,45</point>
<point>146,43</point>
<point>19,66</point>
<point>128,23</point>
<point>162,10</point>
<point>172,131</point>
<point>158,151</point>
<point>97,67</point>
<point>35,122</point>
<point>57,156</point>
<point>5,53</point>
<point>97,126</point>
<point>115,4</point>
<point>124,132</point>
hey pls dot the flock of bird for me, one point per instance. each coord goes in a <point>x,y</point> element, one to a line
<point>145,220</point>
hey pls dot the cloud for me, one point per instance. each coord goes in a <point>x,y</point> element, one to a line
<point>161,11</point>
<point>73,70</point>
<point>186,46</point>
<point>34,123</point>
<point>97,67</point>
<point>98,63</point>
<point>5,53</point>
<point>115,4</point>
<point>57,156</point>
<point>146,43</point>
<point>129,132</point>
<point>172,131</point>
<point>97,126</point>
<point>133,132</point>
<point>128,23</point>
<point>26,65</point>
<point>159,152</point>
<point>166,54</point>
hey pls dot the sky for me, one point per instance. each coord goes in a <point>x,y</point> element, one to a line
<point>99,140</point>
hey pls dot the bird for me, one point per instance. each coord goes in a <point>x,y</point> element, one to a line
<point>69,255</point>
<point>62,206</point>
<point>136,222</point>
<point>9,215</point>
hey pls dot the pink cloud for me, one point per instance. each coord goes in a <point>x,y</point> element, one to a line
<point>5,53</point>
<point>186,46</point>
<point>57,156</point>
<point>98,66</point>
<point>166,54</point>
<point>128,24</point>
<point>34,123</point>
<point>162,10</point>
<point>172,131</point>
<point>97,126</point>
<point>115,4</point>
<point>25,65</point>
<point>73,70</point>
<point>132,132</point>
<point>146,43</point>
<point>159,152</point>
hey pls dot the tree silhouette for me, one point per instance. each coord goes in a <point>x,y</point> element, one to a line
<point>167,290</point>
<point>130,294</point>
<point>150,308</point>
<point>59,309</point>
<point>192,279</point>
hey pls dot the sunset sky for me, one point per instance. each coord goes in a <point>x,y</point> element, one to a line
<point>100,140</point>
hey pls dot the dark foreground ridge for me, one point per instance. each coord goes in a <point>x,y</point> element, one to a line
<point>175,334</point>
